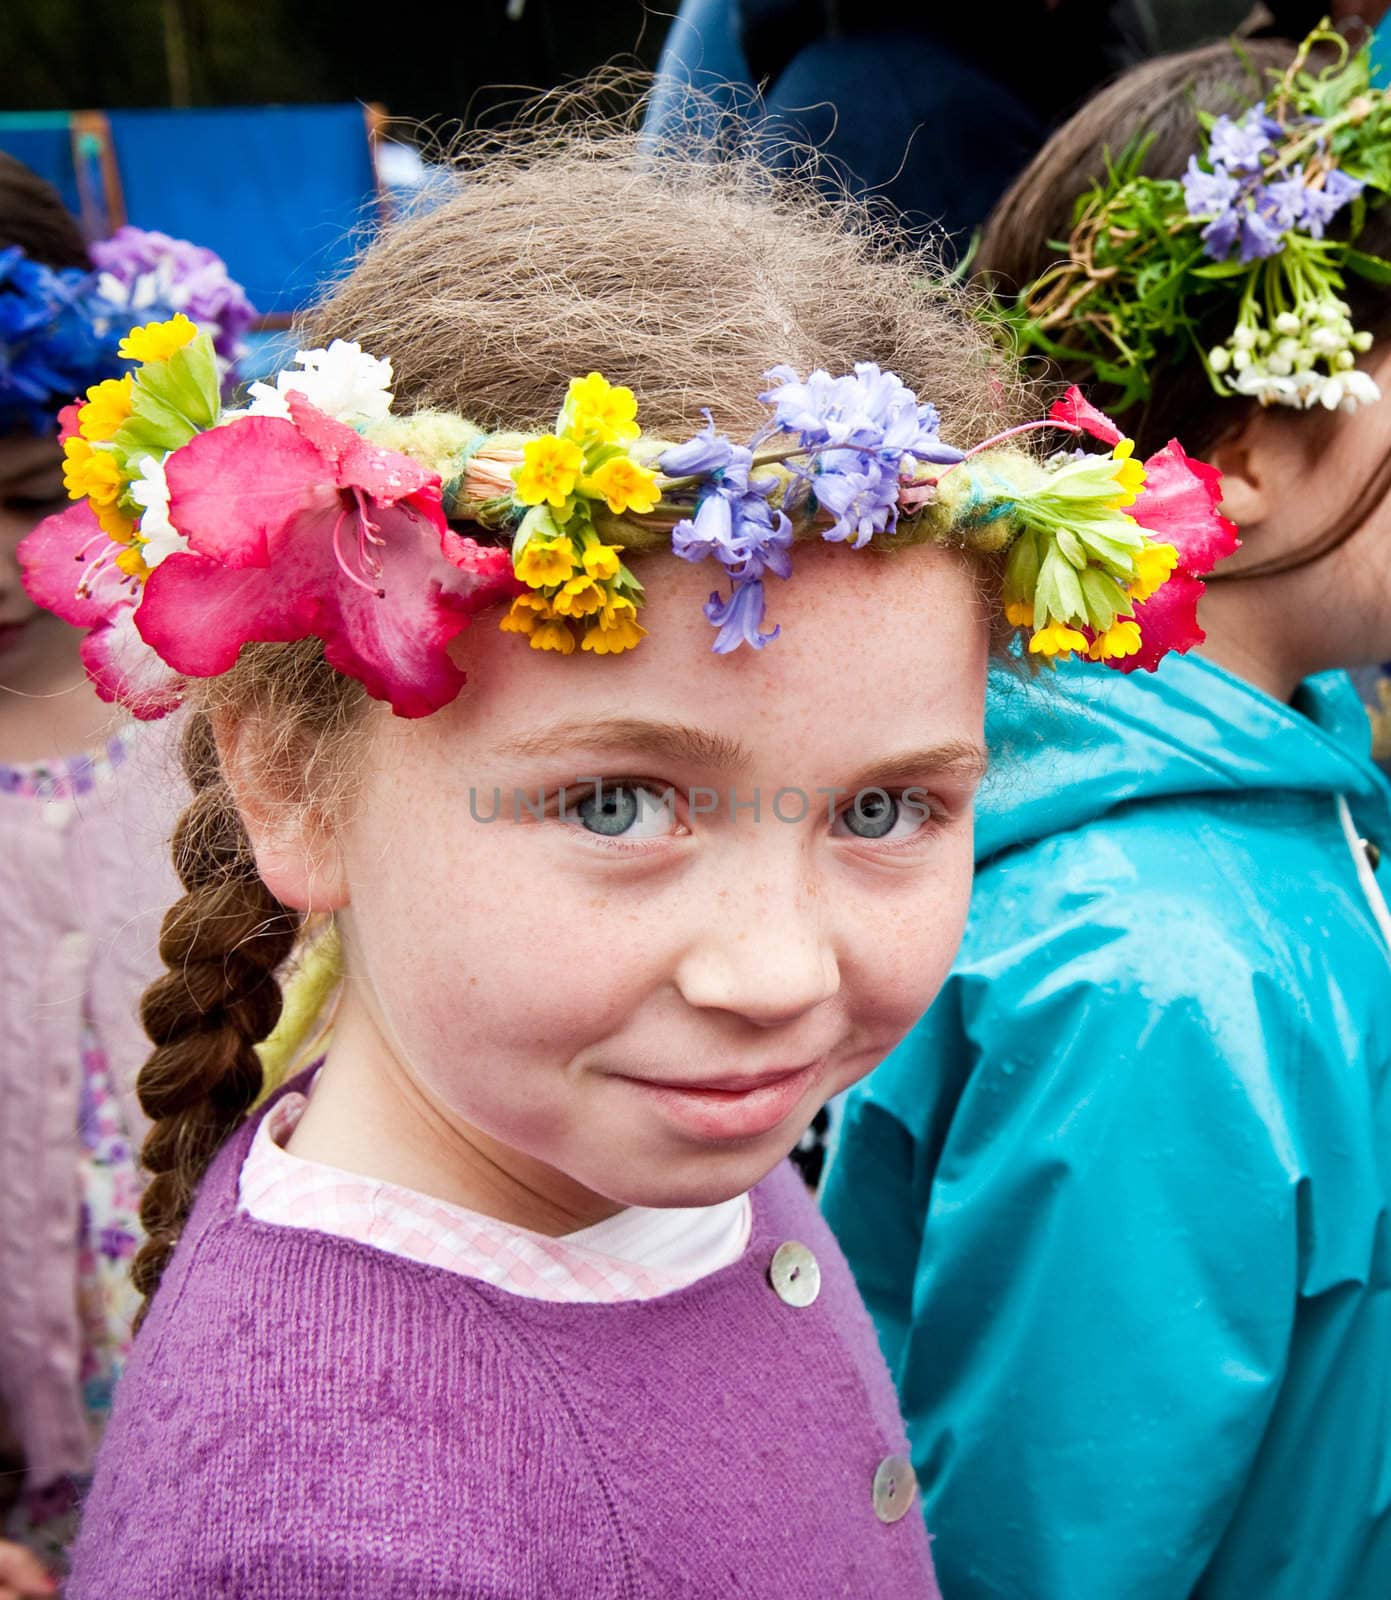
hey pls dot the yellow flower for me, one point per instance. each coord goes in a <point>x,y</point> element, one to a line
<point>553,636</point>
<point>549,471</point>
<point>1057,639</point>
<point>115,524</point>
<point>625,486</point>
<point>527,610</point>
<point>580,597</point>
<point>614,630</point>
<point>91,474</point>
<point>132,563</point>
<point>108,406</point>
<point>1153,564</point>
<point>1122,638</point>
<point>595,407</point>
<point>157,341</point>
<point>544,562</point>
<point>601,561</point>
<point>1130,478</point>
<point>1019,613</point>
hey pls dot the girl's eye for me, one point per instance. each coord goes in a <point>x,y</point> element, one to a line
<point>875,814</point>
<point>626,810</point>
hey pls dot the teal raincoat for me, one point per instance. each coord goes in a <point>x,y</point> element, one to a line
<point>1119,1204</point>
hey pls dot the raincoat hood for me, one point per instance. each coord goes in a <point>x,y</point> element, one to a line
<point>1070,746</point>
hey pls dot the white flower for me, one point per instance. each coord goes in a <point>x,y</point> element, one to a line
<point>1267,387</point>
<point>158,536</point>
<point>343,381</point>
<point>1287,323</point>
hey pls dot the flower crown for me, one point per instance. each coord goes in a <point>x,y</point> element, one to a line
<point>1149,258</point>
<point>60,327</point>
<point>313,511</point>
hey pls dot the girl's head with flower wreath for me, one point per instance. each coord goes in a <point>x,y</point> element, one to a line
<point>535,982</point>
<point>1305,476</point>
<point>620,900</point>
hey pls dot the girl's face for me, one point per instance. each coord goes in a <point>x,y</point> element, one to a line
<point>628,1000</point>
<point>1285,479</point>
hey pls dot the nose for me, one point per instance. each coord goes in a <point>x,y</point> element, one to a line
<point>766,955</point>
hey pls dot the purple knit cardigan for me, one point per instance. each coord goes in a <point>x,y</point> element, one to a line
<point>306,1418</point>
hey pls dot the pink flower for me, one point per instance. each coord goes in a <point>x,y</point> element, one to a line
<point>67,567</point>
<point>1178,506</point>
<point>1075,411</point>
<point>300,527</point>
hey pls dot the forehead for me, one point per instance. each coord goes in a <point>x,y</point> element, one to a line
<point>878,652</point>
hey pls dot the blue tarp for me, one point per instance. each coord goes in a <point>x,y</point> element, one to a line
<point>279,192</point>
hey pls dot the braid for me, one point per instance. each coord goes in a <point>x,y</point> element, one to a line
<point>222,944</point>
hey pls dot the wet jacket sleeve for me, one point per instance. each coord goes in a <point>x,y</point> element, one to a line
<point>1068,1201</point>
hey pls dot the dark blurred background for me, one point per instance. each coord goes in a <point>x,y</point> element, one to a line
<point>423,61</point>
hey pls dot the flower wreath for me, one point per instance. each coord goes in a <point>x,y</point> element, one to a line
<point>1149,258</point>
<point>314,511</point>
<point>60,327</point>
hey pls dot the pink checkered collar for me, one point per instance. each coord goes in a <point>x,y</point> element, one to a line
<point>637,1255</point>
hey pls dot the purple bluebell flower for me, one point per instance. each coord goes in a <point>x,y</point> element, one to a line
<point>1249,215</point>
<point>861,492</point>
<point>1320,206</point>
<point>740,618</point>
<point>1239,146</point>
<point>50,346</point>
<point>862,428</point>
<point>1207,193</point>
<point>872,410</point>
<point>707,452</point>
<point>149,276</point>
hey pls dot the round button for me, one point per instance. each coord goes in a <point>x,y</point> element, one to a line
<point>794,1274</point>
<point>1373,853</point>
<point>894,1488</point>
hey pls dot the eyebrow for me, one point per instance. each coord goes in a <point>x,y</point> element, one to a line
<point>699,747</point>
<point>960,759</point>
<point>668,741</point>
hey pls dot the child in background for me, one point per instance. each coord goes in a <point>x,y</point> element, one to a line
<point>85,807</point>
<point>515,1294</point>
<point>1119,1205</point>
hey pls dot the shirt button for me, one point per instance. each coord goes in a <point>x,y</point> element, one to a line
<point>1373,853</point>
<point>794,1274</point>
<point>894,1488</point>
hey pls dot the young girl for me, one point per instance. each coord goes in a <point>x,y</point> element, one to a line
<point>515,1294</point>
<point>85,809</point>
<point>1119,1205</point>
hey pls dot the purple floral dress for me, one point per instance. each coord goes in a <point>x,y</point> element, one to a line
<point>107,1175</point>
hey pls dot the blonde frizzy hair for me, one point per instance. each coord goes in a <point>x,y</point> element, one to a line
<point>558,250</point>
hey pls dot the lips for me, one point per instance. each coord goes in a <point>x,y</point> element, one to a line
<point>729,1106</point>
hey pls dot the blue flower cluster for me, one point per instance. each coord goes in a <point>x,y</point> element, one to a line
<point>1247,212</point>
<point>857,434</point>
<point>51,349</point>
<point>735,524</point>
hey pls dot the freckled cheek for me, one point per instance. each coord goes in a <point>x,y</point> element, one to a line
<point>907,950</point>
<point>472,932</point>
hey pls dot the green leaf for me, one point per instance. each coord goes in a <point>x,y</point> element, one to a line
<point>1223,269</point>
<point>1370,267</point>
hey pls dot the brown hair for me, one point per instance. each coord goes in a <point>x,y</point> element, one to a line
<point>1160,103</point>
<point>551,255</point>
<point>33,216</point>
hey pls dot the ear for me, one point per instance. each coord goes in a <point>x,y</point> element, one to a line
<point>297,852</point>
<point>1263,465</point>
<point>1242,460</point>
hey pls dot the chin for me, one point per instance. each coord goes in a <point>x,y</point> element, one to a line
<point>703,1177</point>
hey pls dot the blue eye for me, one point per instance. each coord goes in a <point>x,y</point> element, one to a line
<point>875,814</point>
<point>622,810</point>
